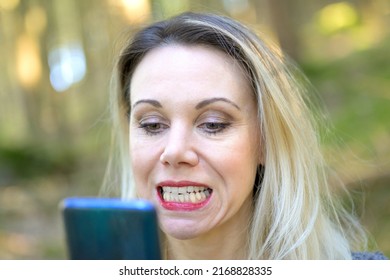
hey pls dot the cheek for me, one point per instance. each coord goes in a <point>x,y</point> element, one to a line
<point>237,162</point>
<point>239,170</point>
<point>142,154</point>
<point>143,161</point>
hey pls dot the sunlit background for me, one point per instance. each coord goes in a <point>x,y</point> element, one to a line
<point>56,59</point>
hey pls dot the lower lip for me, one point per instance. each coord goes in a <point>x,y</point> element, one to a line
<point>179,206</point>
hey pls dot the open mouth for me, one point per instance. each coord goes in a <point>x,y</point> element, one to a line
<point>188,194</point>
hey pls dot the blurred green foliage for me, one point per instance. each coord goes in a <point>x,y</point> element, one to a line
<point>31,161</point>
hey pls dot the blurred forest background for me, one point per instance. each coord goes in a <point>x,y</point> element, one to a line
<point>56,59</point>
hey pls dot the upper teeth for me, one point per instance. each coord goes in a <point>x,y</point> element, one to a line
<point>185,194</point>
<point>184,190</point>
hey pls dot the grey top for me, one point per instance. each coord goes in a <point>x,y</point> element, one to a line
<point>368,256</point>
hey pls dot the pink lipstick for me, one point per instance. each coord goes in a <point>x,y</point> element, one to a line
<point>183,195</point>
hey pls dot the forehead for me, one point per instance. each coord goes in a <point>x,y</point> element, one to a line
<point>184,59</point>
<point>190,70</point>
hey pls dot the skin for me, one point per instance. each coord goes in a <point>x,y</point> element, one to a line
<point>194,118</point>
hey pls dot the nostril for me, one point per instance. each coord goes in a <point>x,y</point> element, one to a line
<point>176,158</point>
<point>163,158</point>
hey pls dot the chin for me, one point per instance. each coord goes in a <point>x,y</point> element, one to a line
<point>181,231</point>
<point>181,235</point>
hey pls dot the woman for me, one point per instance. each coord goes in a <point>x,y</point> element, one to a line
<point>215,132</point>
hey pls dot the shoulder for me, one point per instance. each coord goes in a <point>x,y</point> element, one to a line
<point>368,256</point>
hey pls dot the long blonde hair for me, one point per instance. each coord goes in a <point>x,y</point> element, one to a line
<point>295,215</point>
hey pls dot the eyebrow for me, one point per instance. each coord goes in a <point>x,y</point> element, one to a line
<point>198,106</point>
<point>206,102</point>
<point>152,102</point>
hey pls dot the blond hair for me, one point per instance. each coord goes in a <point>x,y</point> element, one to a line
<point>295,215</point>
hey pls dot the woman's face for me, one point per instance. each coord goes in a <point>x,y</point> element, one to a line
<point>194,139</point>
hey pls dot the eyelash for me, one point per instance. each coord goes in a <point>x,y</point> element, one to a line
<point>150,128</point>
<point>220,127</point>
<point>154,128</point>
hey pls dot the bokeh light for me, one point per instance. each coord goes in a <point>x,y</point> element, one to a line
<point>337,16</point>
<point>67,66</point>
<point>28,61</point>
<point>136,11</point>
<point>9,5</point>
<point>35,21</point>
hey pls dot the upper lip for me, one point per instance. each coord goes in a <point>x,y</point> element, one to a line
<point>183,183</point>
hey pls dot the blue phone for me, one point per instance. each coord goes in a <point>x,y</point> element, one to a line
<point>110,229</point>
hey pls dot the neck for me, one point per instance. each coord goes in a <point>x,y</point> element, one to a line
<point>227,241</point>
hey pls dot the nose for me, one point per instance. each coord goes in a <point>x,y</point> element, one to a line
<point>178,150</point>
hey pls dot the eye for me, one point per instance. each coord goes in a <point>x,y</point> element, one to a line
<point>152,127</point>
<point>214,127</point>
